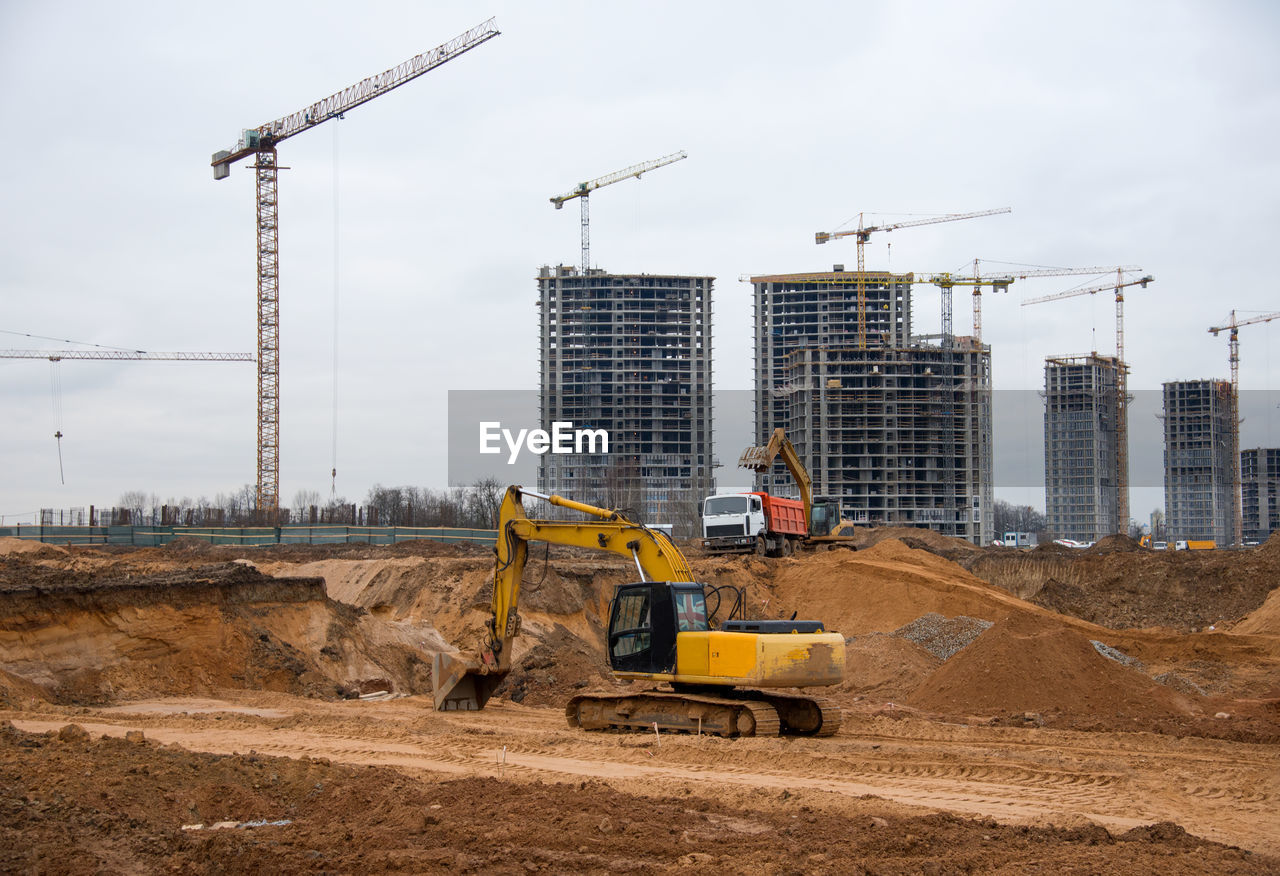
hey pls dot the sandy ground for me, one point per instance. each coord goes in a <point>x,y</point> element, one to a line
<point>150,690</point>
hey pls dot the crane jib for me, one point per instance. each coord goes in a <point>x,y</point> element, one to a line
<point>335,105</point>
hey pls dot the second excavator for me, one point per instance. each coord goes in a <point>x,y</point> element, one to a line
<point>729,681</point>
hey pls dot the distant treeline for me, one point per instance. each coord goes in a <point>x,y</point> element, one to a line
<point>472,507</point>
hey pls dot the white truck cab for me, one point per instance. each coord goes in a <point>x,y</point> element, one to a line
<point>733,521</point>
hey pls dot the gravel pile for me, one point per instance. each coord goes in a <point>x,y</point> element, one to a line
<point>941,636</point>
<point>1112,654</point>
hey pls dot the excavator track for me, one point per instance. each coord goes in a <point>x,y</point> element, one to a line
<point>803,715</point>
<point>673,712</point>
<point>743,713</point>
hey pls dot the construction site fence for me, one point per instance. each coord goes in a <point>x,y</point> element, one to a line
<point>246,536</point>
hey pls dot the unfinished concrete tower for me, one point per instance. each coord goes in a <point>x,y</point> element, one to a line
<point>1260,492</point>
<point>1197,460</point>
<point>630,354</point>
<point>1081,439</point>
<point>898,431</point>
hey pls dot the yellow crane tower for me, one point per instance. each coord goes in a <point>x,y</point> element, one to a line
<point>261,142</point>
<point>584,190</point>
<point>1122,384</point>
<point>1234,356</point>
<point>863,234</point>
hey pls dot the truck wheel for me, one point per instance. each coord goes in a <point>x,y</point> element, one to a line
<point>762,548</point>
<point>787,547</point>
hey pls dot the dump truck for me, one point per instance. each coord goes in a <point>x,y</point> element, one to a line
<point>771,525</point>
<point>745,522</point>
<point>734,679</point>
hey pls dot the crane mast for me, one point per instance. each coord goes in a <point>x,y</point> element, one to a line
<point>261,142</point>
<point>863,234</point>
<point>1122,384</point>
<point>1233,325</point>
<point>583,192</point>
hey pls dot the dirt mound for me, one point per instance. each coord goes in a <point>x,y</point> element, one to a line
<point>884,587</point>
<point>1052,547</point>
<point>1030,664</point>
<point>195,631</point>
<point>557,667</point>
<point>916,537</point>
<point>1114,544</point>
<point>1265,620</point>
<point>1126,588</point>
<point>10,546</point>
<point>883,666</point>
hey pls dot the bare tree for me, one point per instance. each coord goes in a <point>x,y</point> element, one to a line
<point>484,502</point>
<point>303,502</point>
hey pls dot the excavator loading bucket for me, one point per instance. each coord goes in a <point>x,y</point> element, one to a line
<point>461,684</point>
<point>756,458</point>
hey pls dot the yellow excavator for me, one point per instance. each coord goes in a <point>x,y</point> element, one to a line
<point>822,520</point>
<point>720,681</point>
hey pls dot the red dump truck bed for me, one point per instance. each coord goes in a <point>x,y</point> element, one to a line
<point>784,515</point>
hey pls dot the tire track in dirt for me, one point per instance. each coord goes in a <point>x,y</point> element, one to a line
<point>996,776</point>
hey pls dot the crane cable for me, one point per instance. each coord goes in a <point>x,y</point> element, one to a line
<point>55,383</point>
<point>333,474</point>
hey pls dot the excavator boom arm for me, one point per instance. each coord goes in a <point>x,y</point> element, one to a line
<point>759,459</point>
<point>467,684</point>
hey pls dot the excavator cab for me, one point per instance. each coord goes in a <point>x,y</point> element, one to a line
<point>644,620</point>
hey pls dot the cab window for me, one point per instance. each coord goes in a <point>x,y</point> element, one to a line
<point>691,612</point>
<point>631,628</point>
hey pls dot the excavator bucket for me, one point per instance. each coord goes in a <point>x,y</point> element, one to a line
<point>756,458</point>
<point>761,457</point>
<point>461,684</point>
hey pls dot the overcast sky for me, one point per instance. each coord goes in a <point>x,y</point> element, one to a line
<point>1120,133</point>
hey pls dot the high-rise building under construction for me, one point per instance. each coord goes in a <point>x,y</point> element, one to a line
<point>896,430</point>
<point>1198,444</point>
<point>1081,458</point>
<point>629,354</point>
<point>1260,492</point>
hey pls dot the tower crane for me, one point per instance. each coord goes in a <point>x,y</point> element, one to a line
<point>1233,325</point>
<point>56,356</point>
<point>1122,384</point>
<point>947,281</point>
<point>584,190</point>
<point>1027,274</point>
<point>863,234</point>
<point>261,142</point>
<point>59,355</point>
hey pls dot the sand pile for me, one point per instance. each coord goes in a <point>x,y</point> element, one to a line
<point>885,587</point>
<point>1029,664</point>
<point>916,537</point>
<point>1265,621</point>
<point>10,546</point>
<point>882,666</point>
